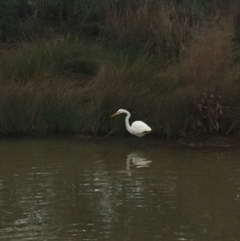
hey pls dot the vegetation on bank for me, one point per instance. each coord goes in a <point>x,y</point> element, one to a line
<point>66,66</point>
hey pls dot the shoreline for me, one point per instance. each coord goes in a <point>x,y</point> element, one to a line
<point>188,142</point>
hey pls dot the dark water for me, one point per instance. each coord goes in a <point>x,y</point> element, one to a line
<point>67,190</point>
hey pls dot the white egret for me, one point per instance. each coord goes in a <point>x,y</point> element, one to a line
<point>138,128</point>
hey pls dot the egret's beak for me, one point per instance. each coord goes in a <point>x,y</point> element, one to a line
<point>114,114</point>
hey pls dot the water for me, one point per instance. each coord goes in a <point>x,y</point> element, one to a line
<point>69,190</point>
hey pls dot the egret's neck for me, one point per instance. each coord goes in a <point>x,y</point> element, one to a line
<point>127,121</point>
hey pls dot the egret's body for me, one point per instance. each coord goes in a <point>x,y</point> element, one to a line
<point>138,128</point>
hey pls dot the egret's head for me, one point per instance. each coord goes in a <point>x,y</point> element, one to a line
<point>120,111</point>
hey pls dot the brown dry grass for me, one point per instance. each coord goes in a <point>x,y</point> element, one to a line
<point>208,65</point>
<point>206,62</point>
<point>159,28</point>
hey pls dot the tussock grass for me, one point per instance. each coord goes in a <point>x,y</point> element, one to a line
<point>40,108</point>
<point>44,59</point>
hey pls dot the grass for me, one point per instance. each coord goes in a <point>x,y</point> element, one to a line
<point>43,97</point>
<point>158,29</point>
<point>181,77</point>
<point>43,59</point>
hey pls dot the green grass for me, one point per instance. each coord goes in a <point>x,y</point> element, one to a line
<point>75,86</point>
<point>46,59</point>
<point>178,77</point>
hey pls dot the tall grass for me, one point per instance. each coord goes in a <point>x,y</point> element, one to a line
<point>43,59</point>
<point>207,64</point>
<point>41,108</point>
<point>176,71</point>
<point>158,29</point>
<point>60,101</point>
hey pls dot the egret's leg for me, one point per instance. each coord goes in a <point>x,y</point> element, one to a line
<point>140,141</point>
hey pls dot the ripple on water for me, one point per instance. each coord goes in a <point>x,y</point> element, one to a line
<point>103,192</point>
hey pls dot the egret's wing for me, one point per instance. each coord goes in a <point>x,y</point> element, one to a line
<point>139,127</point>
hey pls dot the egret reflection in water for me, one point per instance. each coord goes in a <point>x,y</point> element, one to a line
<point>136,159</point>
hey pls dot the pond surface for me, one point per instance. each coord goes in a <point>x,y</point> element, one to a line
<point>71,190</point>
